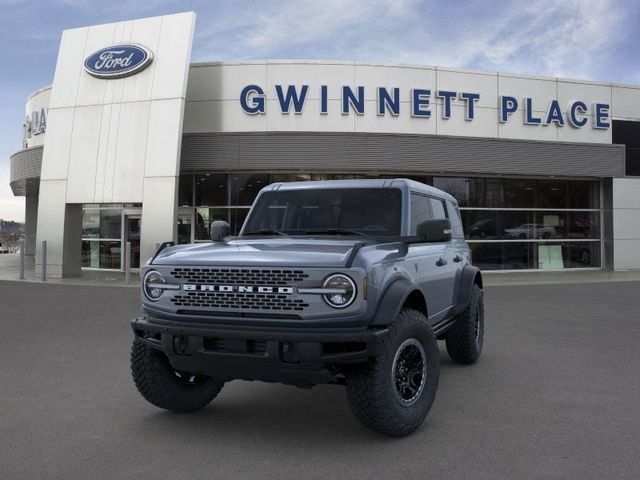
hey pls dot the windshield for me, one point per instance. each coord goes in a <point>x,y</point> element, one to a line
<point>355,211</point>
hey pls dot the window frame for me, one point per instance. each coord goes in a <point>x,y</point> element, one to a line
<point>412,230</point>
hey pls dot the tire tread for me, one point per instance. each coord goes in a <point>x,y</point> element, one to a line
<point>152,376</point>
<point>460,339</point>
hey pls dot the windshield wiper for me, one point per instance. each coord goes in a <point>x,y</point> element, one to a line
<point>266,231</point>
<point>337,231</point>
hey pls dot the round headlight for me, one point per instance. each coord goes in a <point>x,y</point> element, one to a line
<point>343,290</point>
<point>149,285</point>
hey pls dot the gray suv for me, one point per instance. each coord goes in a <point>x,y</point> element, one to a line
<point>346,282</point>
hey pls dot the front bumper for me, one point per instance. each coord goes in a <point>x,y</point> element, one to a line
<point>299,356</point>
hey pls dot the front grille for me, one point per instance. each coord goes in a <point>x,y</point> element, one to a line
<point>238,301</point>
<point>235,276</point>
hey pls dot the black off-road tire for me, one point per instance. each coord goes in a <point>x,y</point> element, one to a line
<point>161,385</point>
<point>465,338</point>
<point>371,388</point>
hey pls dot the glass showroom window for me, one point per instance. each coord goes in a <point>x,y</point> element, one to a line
<point>101,236</point>
<point>510,223</point>
<point>229,197</point>
<point>514,224</point>
<point>220,197</point>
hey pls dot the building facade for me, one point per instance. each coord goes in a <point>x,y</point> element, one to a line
<point>133,143</point>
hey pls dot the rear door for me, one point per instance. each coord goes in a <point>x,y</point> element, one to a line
<point>448,258</point>
<point>462,254</point>
<point>431,264</point>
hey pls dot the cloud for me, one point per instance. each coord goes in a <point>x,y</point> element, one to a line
<point>277,29</point>
<point>574,38</point>
<point>567,38</point>
<point>127,5</point>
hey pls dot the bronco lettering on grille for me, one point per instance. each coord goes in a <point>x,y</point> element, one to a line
<point>236,288</point>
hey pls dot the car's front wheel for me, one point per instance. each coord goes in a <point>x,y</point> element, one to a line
<point>393,393</point>
<point>163,386</point>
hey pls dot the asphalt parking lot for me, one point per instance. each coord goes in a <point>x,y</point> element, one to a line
<point>555,395</point>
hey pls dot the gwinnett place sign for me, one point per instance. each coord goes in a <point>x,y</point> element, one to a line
<point>35,124</point>
<point>291,98</point>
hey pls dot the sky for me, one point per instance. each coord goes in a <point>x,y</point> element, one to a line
<point>585,39</point>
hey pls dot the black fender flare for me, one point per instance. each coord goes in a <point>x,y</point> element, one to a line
<point>392,300</point>
<point>468,277</point>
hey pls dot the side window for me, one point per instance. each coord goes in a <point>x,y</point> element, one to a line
<point>456,222</point>
<point>437,206</point>
<point>420,211</point>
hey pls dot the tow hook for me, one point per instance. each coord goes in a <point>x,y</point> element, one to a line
<point>181,345</point>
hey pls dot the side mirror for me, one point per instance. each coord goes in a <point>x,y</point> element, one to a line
<point>436,230</point>
<point>219,230</point>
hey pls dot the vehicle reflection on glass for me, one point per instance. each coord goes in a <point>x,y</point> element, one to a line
<point>485,227</point>
<point>531,230</point>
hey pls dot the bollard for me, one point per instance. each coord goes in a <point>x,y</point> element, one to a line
<point>22,259</point>
<point>44,261</point>
<point>127,263</point>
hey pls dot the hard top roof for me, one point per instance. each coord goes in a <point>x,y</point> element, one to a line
<point>402,183</point>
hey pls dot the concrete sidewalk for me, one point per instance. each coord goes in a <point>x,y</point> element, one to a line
<point>497,278</point>
<point>10,270</point>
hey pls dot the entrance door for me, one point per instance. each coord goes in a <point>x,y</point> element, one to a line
<point>185,221</point>
<point>132,234</point>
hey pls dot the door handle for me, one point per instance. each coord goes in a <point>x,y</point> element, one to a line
<point>441,262</point>
<point>457,258</point>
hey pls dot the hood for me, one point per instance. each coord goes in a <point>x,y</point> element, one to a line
<point>289,252</point>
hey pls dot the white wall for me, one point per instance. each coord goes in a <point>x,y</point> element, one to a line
<point>626,223</point>
<point>116,140</point>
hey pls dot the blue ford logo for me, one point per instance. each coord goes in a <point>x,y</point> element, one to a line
<point>118,61</point>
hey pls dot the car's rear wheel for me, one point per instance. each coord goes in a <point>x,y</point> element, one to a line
<point>163,386</point>
<point>393,393</point>
<point>465,338</point>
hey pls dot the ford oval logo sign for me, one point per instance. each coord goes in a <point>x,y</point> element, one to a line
<point>118,61</point>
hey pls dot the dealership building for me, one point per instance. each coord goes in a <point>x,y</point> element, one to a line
<point>134,143</point>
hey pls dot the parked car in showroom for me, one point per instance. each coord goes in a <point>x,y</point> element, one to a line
<point>531,231</point>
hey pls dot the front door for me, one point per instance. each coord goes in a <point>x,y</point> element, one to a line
<point>132,235</point>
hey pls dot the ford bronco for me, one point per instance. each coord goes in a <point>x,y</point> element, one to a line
<point>347,282</point>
